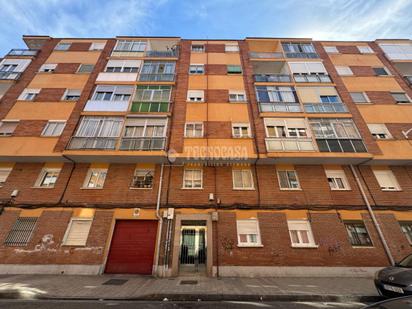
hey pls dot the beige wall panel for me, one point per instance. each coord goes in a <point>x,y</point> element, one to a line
<point>41,110</point>
<point>371,84</point>
<point>386,113</point>
<point>311,94</point>
<point>89,57</point>
<point>263,45</point>
<point>28,146</point>
<point>71,81</point>
<point>355,60</point>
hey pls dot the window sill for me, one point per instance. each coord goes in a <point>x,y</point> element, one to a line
<point>40,187</point>
<point>243,189</point>
<point>364,103</point>
<point>133,188</point>
<point>238,102</point>
<point>390,190</point>
<point>250,246</point>
<point>290,189</point>
<point>341,189</point>
<point>363,247</point>
<point>191,188</point>
<point>305,247</point>
<point>187,101</point>
<point>242,137</point>
<point>86,188</point>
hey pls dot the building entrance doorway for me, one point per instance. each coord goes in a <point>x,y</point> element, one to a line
<point>193,248</point>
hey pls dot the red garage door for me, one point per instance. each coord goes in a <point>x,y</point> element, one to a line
<point>132,248</point>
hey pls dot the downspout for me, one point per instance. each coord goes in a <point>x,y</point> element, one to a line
<point>159,217</point>
<point>68,180</point>
<point>374,220</point>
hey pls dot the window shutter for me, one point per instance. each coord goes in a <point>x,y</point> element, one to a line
<point>77,233</point>
<point>295,123</point>
<point>247,227</point>
<point>4,173</point>
<point>7,127</point>
<point>124,90</point>
<point>316,67</point>
<point>298,67</point>
<point>386,179</point>
<point>103,88</point>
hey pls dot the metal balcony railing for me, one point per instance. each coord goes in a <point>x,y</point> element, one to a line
<point>265,107</point>
<point>102,143</point>
<point>261,55</point>
<point>325,108</point>
<point>23,52</point>
<point>301,55</point>
<point>162,53</point>
<point>312,78</point>
<point>163,77</point>
<point>275,78</point>
<point>143,143</point>
<point>289,144</point>
<point>340,145</point>
<point>154,107</point>
<point>10,75</point>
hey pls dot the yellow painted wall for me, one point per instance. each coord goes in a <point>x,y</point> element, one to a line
<point>28,146</point>
<point>71,81</point>
<point>83,41</point>
<point>394,149</point>
<point>215,58</point>
<point>355,60</point>
<point>264,45</point>
<point>234,82</point>
<point>371,83</point>
<point>144,214</point>
<point>386,113</point>
<point>41,110</point>
<point>311,94</point>
<point>89,57</point>
<point>217,112</point>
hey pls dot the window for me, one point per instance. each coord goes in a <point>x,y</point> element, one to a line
<point>85,68</point>
<point>299,50</point>
<point>307,68</point>
<point>144,133</point>
<point>194,129</point>
<point>4,174</point>
<point>29,94</point>
<point>95,178</point>
<point>400,97</point>
<point>112,93</point>
<point>379,131</point>
<point>387,180</point>
<point>234,69</point>
<point>143,179</point>
<point>21,231</point>
<point>330,99</point>
<point>276,94</point>
<point>62,46</point>
<point>365,49</point>
<point>358,234</point>
<point>130,46</point>
<point>248,233</point>
<point>331,49</point>
<point>123,66</point>
<point>242,179</point>
<point>77,232</point>
<point>97,46</point>
<point>344,70</point>
<point>48,68</point>
<point>397,51</point>
<point>7,127</point>
<point>72,95</point>
<point>240,130</point>
<point>406,228</point>
<point>192,179</point>
<point>288,180</point>
<point>47,177</point>
<point>8,68</point>
<point>300,233</point>
<point>54,128</point>
<point>337,180</point>
<point>381,71</point>
<point>196,69</point>
<point>286,128</point>
<point>195,95</point>
<point>237,96</point>
<point>198,48</point>
<point>231,48</point>
<point>359,97</point>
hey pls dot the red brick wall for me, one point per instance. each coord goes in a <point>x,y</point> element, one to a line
<point>348,49</point>
<point>67,68</point>
<point>50,94</point>
<point>396,130</point>
<point>216,69</point>
<point>218,129</point>
<point>214,48</point>
<point>80,46</point>
<point>217,96</point>
<point>380,97</point>
<point>362,71</point>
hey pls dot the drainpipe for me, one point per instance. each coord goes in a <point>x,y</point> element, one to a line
<point>159,217</point>
<point>374,220</point>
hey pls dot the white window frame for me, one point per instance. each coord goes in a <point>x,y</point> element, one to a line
<point>365,49</point>
<point>59,47</point>
<point>16,121</point>
<point>401,92</point>
<point>196,94</point>
<point>5,172</point>
<point>197,51</point>
<point>237,95</point>
<point>185,173</point>
<point>114,92</point>
<point>389,175</point>
<point>248,243</point>
<point>48,68</point>
<point>43,174</point>
<point>98,46</point>
<point>298,188</point>
<point>231,48</point>
<point>337,174</point>
<point>57,131</point>
<point>131,44</point>
<point>68,230</point>
<point>197,66</point>
<point>364,95</point>
<point>296,225</point>
<point>388,73</point>
<point>67,92</point>
<point>343,70</point>
<point>288,129</point>
<point>85,72</point>
<point>187,124</point>
<point>243,171</point>
<point>26,91</point>
<point>378,129</point>
<point>89,176</point>
<point>331,49</point>
<point>241,125</point>
<point>138,172</point>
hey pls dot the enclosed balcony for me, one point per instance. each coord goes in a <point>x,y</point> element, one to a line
<point>405,69</point>
<point>264,49</point>
<point>23,52</point>
<point>289,144</point>
<point>265,55</point>
<point>143,143</point>
<point>325,107</point>
<point>109,99</point>
<point>151,98</point>
<point>4,75</point>
<point>158,71</point>
<point>271,71</point>
<point>277,99</point>
<point>120,71</point>
<point>98,143</point>
<point>299,50</point>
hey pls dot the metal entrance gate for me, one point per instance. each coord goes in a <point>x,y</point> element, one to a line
<point>193,249</point>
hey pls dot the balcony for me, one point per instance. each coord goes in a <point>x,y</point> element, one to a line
<point>312,78</point>
<point>274,144</point>
<point>99,143</point>
<point>291,107</point>
<point>9,75</point>
<point>340,145</point>
<point>117,77</point>
<point>263,55</point>
<point>408,79</point>
<point>325,108</point>
<point>143,143</point>
<point>272,78</point>
<point>145,77</point>
<point>23,52</point>
<point>301,55</point>
<point>150,107</point>
<point>106,106</point>
<point>162,53</point>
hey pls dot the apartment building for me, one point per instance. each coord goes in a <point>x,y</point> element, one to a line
<point>166,156</point>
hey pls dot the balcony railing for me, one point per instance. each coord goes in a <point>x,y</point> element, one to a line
<point>289,144</point>
<point>279,107</point>
<point>340,145</point>
<point>260,55</point>
<point>104,143</point>
<point>275,78</point>
<point>23,52</point>
<point>144,77</point>
<point>325,108</point>
<point>409,79</point>
<point>301,55</point>
<point>162,53</point>
<point>106,106</point>
<point>312,78</point>
<point>154,107</point>
<point>10,75</point>
<point>143,143</point>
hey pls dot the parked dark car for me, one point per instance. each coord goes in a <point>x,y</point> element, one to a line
<point>394,303</point>
<point>395,280</point>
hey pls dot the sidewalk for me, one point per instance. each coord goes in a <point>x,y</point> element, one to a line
<point>129,287</point>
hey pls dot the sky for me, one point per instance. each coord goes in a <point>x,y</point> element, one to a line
<point>213,19</point>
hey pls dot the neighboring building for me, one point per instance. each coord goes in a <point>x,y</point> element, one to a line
<point>160,155</point>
